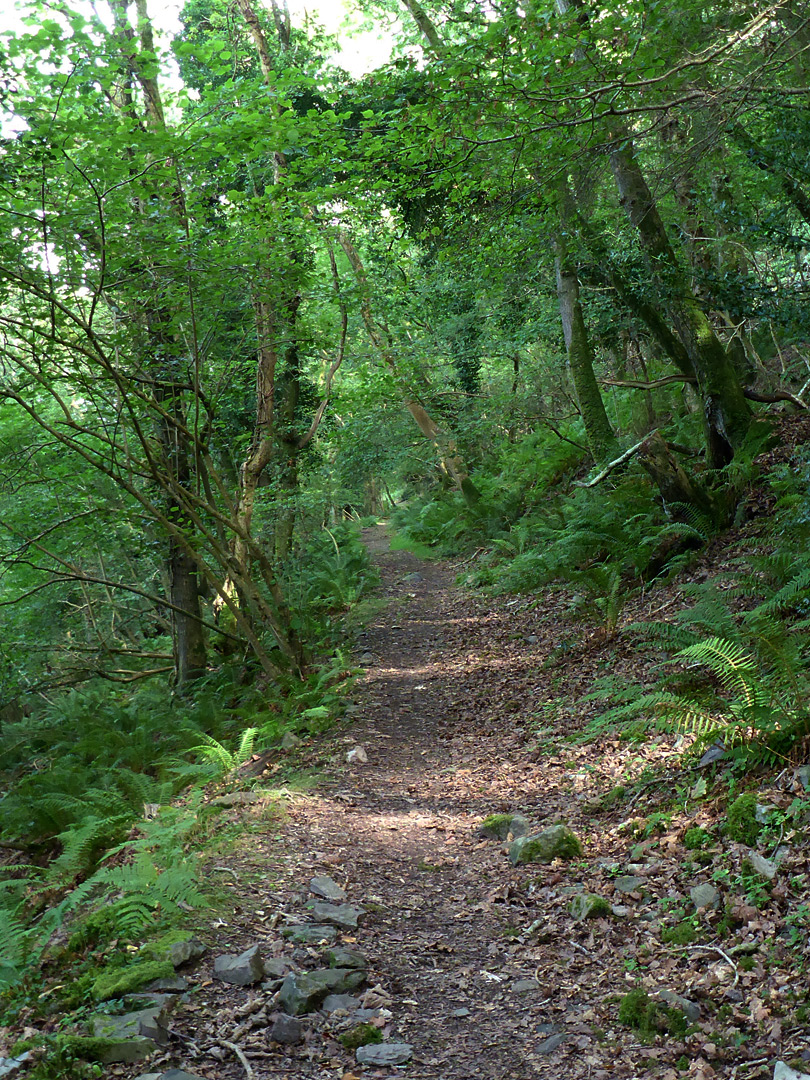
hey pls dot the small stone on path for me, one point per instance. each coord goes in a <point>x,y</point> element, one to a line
<point>342,915</point>
<point>628,883</point>
<point>705,896</point>
<point>181,952</point>
<point>384,1054</point>
<point>524,986</point>
<point>309,933</point>
<point>334,1002</point>
<point>327,889</point>
<point>243,970</point>
<point>286,1029</point>
<point>357,756</point>
<point>763,866</point>
<point>551,1044</point>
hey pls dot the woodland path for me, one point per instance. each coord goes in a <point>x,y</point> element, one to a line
<point>463,710</point>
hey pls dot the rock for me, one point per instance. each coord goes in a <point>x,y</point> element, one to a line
<point>304,993</point>
<point>384,1054</point>
<point>763,866</point>
<point>781,1071</point>
<point>8,1065</point>
<point>459,1014</point>
<point>366,659</point>
<point>118,982</point>
<point>175,985</point>
<point>524,986</point>
<point>327,889</point>
<point>152,1023</point>
<point>289,741</point>
<point>180,952</point>
<point>531,639</point>
<point>690,1009</point>
<point>172,1074</point>
<point>551,1044</point>
<point>803,776</point>
<point>286,1029</point>
<point>346,958</point>
<point>499,826</point>
<point>589,906</point>
<point>628,883</point>
<point>715,752</point>
<point>309,933</point>
<point>243,970</point>
<point>277,967</point>
<point>357,756</point>
<point>342,915</point>
<point>763,812</point>
<point>556,842</point>
<point>413,579</point>
<point>236,798</point>
<point>334,1002</point>
<point>705,896</point>
<point>111,1051</point>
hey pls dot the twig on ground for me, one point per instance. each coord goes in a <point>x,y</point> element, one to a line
<point>227,870</point>
<point>748,1065</point>
<point>240,1054</point>
<point>722,952</point>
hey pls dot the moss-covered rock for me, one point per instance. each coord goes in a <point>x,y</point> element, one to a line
<point>122,981</point>
<point>647,1017</point>
<point>499,826</point>
<point>556,842</point>
<point>108,1051</point>
<point>361,1035</point>
<point>741,819</point>
<point>590,906</point>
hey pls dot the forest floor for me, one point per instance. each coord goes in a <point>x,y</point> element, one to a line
<point>466,707</point>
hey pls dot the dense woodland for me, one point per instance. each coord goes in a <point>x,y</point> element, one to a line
<point>536,288</point>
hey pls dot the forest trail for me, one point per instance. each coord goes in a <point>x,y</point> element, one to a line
<point>466,709</point>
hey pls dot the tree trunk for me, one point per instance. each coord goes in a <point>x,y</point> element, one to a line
<point>726,413</point>
<point>601,438</point>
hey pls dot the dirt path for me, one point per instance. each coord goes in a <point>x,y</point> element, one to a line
<point>464,710</point>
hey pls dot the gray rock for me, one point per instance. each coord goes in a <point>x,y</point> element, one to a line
<point>556,842</point>
<point>180,952</point>
<point>343,916</point>
<point>366,659</point>
<point>413,579</point>
<point>551,1044</point>
<point>176,985</point>
<point>781,1071</point>
<point>172,1074</point>
<point>628,883</point>
<point>289,741</point>
<point>124,1051</point>
<point>334,1002</point>
<point>619,910</point>
<point>690,1009</point>
<point>705,896</point>
<point>459,1014</point>
<point>236,798</point>
<point>304,993</point>
<point>763,812</point>
<point>327,889</point>
<point>525,986</point>
<point>277,967</point>
<point>803,776</point>
<point>8,1065</point>
<point>715,752</point>
<point>384,1054</point>
<point>150,1023</point>
<point>589,906</point>
<point>531,639</point>
<point>243,970</point>
<point>309,933</point>
<point>357,756</point>
<point>547,1029</point>
<point>286,1029</point>
<point>763,866</point>
<point>346,958</point>
<point>363,1016</point>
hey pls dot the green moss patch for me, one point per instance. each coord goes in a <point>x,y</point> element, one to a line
<point>741,818</point>
<point>361,1035</point>
<point>122,981</point>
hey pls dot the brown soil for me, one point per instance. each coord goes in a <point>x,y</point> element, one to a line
<point>463,712</point>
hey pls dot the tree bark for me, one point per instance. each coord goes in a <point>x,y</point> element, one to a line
<point>726,413</point>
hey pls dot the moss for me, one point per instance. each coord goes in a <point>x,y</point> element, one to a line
<point>496,824</point>
<point>20,1047</point>
<point>121,981</point>
<point>160,948</point>
<point>590,906</point>
<point>361,1035</point>
<point>647,1017</point>
<point>683,933</point>
<point>613,797</point>
<point>741,819</point>
<point>694,839</point>
<point>638,1012</point>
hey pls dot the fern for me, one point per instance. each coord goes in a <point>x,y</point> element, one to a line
<point>226,761</point>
